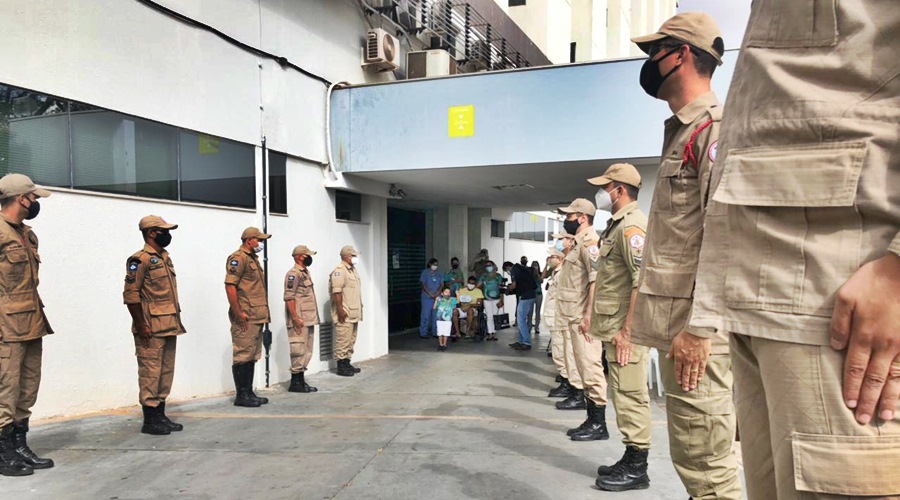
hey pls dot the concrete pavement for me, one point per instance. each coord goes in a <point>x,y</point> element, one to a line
<point>472,422</point>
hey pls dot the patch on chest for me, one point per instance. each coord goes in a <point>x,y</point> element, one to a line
<point>713,150</point>
<point>154,260</point>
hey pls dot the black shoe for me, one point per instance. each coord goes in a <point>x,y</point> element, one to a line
<point>355,369</point>
<point>174,427</point>
<point>20,430</point>
<point>564,390</point>
<point>573,402</point>
<point>241,388</point>
<point>11,462</point>
<point>515,344</point>
<point>629,474</point>
<point>523,347</point>
<point>343,368</point>
<point>251,367</point>
<point>560,378</point>
<point>298,384</point>
<point>537,331</point>
<point>595,430</point>
<point>152,424</point>
<point>570,432</point>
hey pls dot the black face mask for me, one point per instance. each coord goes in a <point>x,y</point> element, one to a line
<point>33,210</point>
<point>307,261</point>
<point>455,265</point>
<point>651,78</point>
<point>571,226</point>
<point>163,239</point>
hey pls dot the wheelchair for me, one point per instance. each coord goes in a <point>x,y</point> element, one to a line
<point>480,325</point>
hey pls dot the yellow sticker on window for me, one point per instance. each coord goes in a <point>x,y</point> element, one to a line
<point>461,121</point>
<point>207,144</point>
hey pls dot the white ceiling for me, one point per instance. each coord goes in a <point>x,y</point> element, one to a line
<point>553,184</point>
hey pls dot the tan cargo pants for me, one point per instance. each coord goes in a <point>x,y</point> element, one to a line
<point>246,346</point>
<point>156,369</point>
<point>302,345</point>
<point>20,379</point>
<point>798,438</point>
<point>588,360</point>
<point>344,339</point>
<point>558,349</point>
<point>701,430</point>
<point>630,396</point>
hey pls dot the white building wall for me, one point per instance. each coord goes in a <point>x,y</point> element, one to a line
<point>126,57</point>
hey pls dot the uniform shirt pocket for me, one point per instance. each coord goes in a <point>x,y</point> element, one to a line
<point>667,282</point>
<point>793,24</point>
<point>679,187</point>
<point>794,206</point>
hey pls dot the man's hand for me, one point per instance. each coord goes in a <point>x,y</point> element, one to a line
<point>144,334</point>
<point>690,353</point>
<point>584,327</point>
<point>500,303</point>
<point>297,323</point>
<point>243,321</point>
<point>342,316</point>
<point>624,347</point>
<point>866,322</point>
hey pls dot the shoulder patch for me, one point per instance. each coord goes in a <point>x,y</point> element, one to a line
<point>337,273</point>
<point>594,252</point>
<point>291,277</point>
<point>233,262</point>
<point>713,150</point>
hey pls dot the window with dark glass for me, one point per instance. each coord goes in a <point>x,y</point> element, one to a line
<point>347,206</point>
<point>527,226</point>
<point>498,229</point>
<point>63,143</point>
<point>277,182</point>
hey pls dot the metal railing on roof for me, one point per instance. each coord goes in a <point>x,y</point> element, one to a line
<point>456,26</point>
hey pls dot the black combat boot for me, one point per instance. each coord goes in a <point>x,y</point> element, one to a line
<point>174,427</point>
<point>560,378</point>
<point>20,429</point>
<point>343,368</point>
<point>298,384</point>
<point>357,370</point>
<point>573,402</point>
<point>152,423</point>
<point>630,474</point>
<point>596,424</point>
<point>564,390</point>
<point>251,368</point>
<point>605,470</point>
<point>587,422</point>
<point>11,463</point>
<point>241,388</point>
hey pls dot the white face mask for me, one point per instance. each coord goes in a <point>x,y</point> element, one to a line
<point>434,268</point>
<point>260,247</point>
<point>470,286</point>
<point>603,200</point>
<point>354,260</point>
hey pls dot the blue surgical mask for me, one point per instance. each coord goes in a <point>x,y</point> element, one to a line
<point>559,246</point>
<point>489,269</point>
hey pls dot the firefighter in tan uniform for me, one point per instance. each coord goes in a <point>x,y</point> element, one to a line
<point>346,309</point>
<point>565,241</point>
<point>23,324</point>
<point>151,295</point>
<point>574,299</point>
<point>301,315</point>
<point>557,346</point>
<point>561,347</point>
<point>805,271</point>
<point>245,287</point>
<point>621,251</point>
<point>695,365</point>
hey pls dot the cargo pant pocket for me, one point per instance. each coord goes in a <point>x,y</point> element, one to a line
<point>148,359</point>
<point>846,465</point>
<point>633,376</point>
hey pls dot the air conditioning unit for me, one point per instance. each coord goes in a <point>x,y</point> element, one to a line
<point>429,64</point>
<point>382,50</point>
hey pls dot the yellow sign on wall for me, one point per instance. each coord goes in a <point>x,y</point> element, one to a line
<point>461,121</point>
